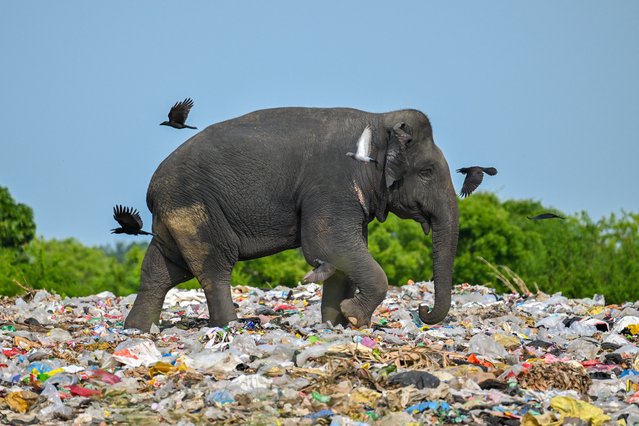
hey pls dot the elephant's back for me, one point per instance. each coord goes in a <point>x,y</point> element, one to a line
<point>251,153</point>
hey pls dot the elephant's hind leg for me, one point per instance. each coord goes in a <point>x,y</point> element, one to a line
<point>158,276</point>
<point>210,248</point>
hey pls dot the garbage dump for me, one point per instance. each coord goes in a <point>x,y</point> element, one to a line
<point>497,359</point>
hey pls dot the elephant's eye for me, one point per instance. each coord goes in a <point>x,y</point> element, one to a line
<point>426,173</point>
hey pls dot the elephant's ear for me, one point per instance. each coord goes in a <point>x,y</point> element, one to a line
<point>396,158</point>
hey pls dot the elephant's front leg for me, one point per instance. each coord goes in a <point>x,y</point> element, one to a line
<point>335,290</point>
<point>369,278</point>
<point>344,246</point>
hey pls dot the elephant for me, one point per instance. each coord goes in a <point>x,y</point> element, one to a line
<point>278,179</point>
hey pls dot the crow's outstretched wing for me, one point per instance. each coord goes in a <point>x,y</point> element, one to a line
<point>180,111</point>
<point>490,171</point>
<point>474,177</point>
<point>545,216</point>
<point>128,217</point>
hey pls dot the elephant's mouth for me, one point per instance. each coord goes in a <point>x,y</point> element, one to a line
<point>426,227</point>
<point>426,224</point>
<point>425,220</point>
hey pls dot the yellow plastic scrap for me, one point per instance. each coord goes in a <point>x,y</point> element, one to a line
<point>54,372</point>
<point>21,401</point>
<point>509,331</point>
<point>596,310</point>
<point>570,407</point>
<point>24,343</point>
<point>634,329</point>
<point>365,396</point>
<point>547,419</point>
<point>507,341</point>
<point>160,368</point>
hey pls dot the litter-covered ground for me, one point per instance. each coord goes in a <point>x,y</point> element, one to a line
<point>497,359</point>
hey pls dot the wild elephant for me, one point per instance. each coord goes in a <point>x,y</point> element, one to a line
<point>280,178</point>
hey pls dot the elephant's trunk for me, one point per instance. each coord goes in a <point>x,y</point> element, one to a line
<point>445,231</point>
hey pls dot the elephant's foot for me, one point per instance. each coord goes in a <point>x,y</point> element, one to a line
<point>222,321</point>
<point>334,316</point>
<point>356,314</point>
<point>141,319</point>
<point>146,309</point>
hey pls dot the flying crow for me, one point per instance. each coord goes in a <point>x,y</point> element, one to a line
<point>129,220</point>
<point>474,176</point>
<point>545,216</point>
<point>178,114</point>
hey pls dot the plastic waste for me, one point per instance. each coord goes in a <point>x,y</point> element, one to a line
<point>574,408</point>
<point>63,379</point>
<point>485,345</point>
<point>624,322</point>
<point>320,414</point>
<point>497,359</point>
<point>419,379</point>
<point>137,352</point>
<point>220,398</point>
<point>105,376</point>
<point>310,352</point>
<point>21,401</point>
<point>82,391</point>
<point>250,384</point>
<point>55,407</point>
<point>428,405</point>
<point>583,349</point>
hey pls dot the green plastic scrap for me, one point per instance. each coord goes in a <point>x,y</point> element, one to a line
<point>321,398</point>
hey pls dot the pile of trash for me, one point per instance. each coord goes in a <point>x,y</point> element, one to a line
<point>495,360</point>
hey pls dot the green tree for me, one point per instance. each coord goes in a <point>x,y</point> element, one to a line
<point>401,249</point>
<point>489,230</point>
<point>69,268</point>
<point>285,268</point>
<point>17,227</point>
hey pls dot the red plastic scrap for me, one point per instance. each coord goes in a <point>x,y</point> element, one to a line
<point>596,365</point>
<point>105,376</point>
<point>10,353</point>
<point>82,391</point>
<point>472,358</point>
<point>285,307</point>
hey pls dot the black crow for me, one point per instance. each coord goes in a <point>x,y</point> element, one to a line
<point>178,114</point>
<point>129,220</point>
<point>545,216</point>
<point>474,176</point>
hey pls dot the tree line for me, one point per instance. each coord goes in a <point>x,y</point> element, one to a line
<point>577,256</point>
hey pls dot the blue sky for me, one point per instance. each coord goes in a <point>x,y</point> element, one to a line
<point>547,92</point>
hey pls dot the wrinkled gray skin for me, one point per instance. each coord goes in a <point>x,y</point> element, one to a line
<point>279,179</point>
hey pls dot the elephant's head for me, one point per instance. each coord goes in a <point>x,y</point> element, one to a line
<point>418,186</point>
